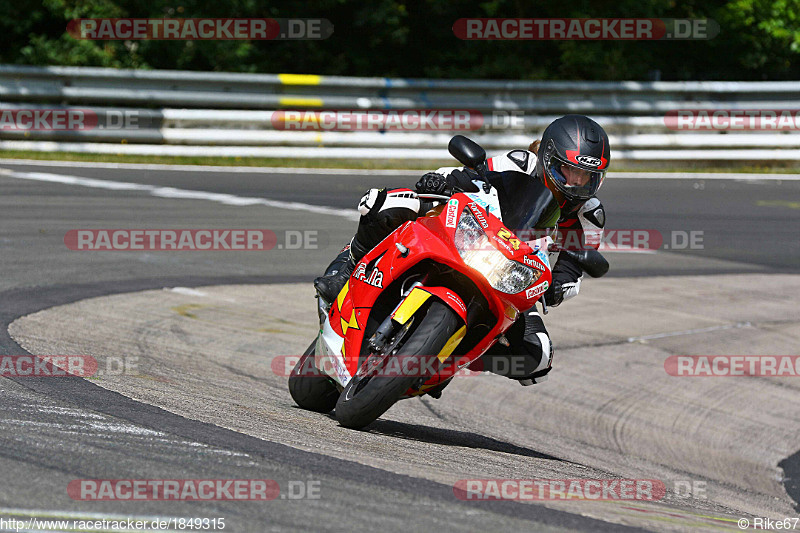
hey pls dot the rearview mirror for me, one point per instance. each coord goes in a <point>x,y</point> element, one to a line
<point>592,262</point>
<point>468,152</point>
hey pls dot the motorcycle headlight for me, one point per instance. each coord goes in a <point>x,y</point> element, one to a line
<point>477,252</point>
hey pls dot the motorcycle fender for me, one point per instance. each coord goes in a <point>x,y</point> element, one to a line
<point>452,299</point>
<point>419,296</point>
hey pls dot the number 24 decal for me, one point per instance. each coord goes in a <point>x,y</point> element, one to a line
<point>506,235</point>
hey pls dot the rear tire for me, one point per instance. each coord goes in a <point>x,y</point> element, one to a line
<point>310,388</point>
<point>361,403</point>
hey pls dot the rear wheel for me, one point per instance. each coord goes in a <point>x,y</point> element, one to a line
<point>310,388</point>
<point>365,398</point>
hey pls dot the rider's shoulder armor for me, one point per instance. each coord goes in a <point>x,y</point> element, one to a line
<point>590,218</point>
<point>592,215</point>
<point>519,160</point>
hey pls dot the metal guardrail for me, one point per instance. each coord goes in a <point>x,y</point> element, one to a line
<point>196,113</point>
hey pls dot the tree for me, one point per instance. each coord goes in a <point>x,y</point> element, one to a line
<point>758,39</point>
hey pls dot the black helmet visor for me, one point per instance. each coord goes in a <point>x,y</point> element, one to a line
<point>575,182</point>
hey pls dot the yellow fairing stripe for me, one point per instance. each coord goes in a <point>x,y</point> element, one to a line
<point>452,343</point>
<point>410,305</point>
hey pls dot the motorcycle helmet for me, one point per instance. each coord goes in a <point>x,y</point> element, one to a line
<point>573,158</point>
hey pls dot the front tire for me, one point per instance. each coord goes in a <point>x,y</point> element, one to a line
<point>310,388</point>
<point>365,399</point>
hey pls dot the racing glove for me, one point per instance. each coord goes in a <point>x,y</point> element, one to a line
<point>560,291</point>
<point>461,180</point>
<point>566,284</point>
<point>554,295</point>
<point>433,183</point>
<point>457,181</point>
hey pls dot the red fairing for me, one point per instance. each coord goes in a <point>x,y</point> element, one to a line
<point>450,298</point>
<point>430,238</point>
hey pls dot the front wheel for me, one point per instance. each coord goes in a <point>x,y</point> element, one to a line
<point>365,398</point>
<point>310,388</point>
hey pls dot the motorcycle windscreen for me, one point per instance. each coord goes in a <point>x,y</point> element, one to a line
<point>525,202</point>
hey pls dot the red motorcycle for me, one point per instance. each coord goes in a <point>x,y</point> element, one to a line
<point>433,296</point>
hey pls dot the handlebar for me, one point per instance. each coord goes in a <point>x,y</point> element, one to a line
<point>439,197</point>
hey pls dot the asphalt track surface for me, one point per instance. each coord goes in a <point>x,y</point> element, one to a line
<point>57,430</point>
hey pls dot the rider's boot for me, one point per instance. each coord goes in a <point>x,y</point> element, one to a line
<point>381,212</point>
<point>329,285</point>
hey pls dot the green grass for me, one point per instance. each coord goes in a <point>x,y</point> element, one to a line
<point>399,164</point>
<point>230,161</point>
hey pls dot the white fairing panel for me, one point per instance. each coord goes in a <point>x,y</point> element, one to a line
<point>329,354</point>
<point>541,247</point>
<point>488,201</point>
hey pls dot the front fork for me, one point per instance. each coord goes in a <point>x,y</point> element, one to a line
<point>377,343</point>
<point>397,324</point>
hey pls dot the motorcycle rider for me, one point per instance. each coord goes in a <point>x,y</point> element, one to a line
<point>571,160</point>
